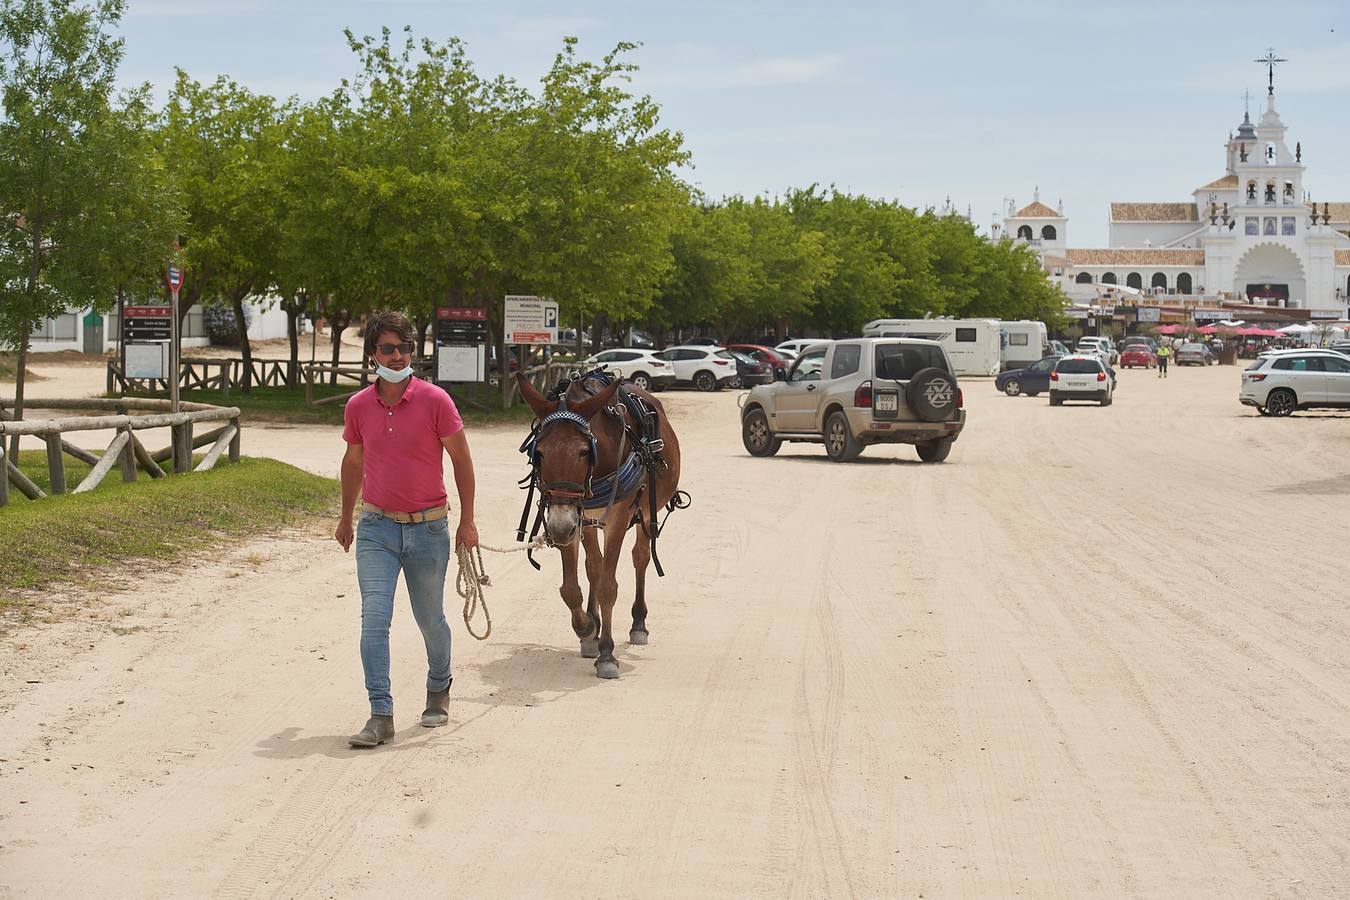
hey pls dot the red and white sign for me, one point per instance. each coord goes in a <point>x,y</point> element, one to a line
<point>175,278</point>
<point>146,312</point>
<point>532,337</point>
<point>471,315</point>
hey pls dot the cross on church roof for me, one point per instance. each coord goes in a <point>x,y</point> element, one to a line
<point>1269,61</point>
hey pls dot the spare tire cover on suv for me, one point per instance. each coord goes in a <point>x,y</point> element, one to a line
<point>932,395</point>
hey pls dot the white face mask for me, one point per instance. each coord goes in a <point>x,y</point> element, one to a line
<point>393,376</point>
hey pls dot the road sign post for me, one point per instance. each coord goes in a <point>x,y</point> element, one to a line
<point>175,279</point>
<point>530,320</point>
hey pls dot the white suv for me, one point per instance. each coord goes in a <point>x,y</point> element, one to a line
<point>1101,346</point>
<point>707,368</point>
<point>1080,377</point>
<point>1280,382</point>
<point>642,367</point>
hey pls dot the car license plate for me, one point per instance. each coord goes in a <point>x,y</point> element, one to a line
<point>887,403</point>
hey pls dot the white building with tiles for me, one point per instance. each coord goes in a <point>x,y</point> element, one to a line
<point>1253,235</point>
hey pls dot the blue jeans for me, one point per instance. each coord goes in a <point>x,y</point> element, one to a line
<point>422,551</point>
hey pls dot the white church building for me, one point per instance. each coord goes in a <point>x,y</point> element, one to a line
<point>1253,236</point>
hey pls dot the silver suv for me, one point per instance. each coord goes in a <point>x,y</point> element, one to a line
<point>852,393</point>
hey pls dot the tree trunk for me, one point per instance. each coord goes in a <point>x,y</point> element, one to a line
<point>597,333</point>
<point>245,349</point>
<point>293,308</point>
<point>423,326</point>
<point>336,325</point>
<point>25,332</point>
<point>780,330</point>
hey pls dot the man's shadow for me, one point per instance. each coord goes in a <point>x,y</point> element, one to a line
<point>528,675</point>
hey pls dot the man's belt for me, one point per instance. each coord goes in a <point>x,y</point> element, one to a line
<point>430,514</point>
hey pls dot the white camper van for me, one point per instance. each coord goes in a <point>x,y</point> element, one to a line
<point>972,345</point>
<point>1024,342</point>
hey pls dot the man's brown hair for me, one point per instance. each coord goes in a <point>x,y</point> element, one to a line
<point>388,320</point>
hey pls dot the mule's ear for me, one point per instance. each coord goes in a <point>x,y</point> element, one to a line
<point>537,401</point>
<point>592,405</point>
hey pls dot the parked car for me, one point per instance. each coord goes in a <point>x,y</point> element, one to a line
<point>702,342</point>
<point>797,345</point>
<point>770,356</point>
<point>642,367</point>
<point>750,371</point>
<point>1340,346</point>
<point>1192,354</point>
<point>1132,355</point>
<point>1280,382</point>
<point>706,368</point>
<point>1134,339</point>
<point>1081,377</point>
<point>1031,381</point>
<point>1059,348</point>
<point>850,394</point>
<point>1101,346</point>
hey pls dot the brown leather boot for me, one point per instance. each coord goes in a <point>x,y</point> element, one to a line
<point>378,730</point>
<point>438,708</point>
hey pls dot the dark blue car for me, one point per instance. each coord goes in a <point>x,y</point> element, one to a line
<point>1030,381</point>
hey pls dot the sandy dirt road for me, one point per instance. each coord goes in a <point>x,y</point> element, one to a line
<point>1100,652</point>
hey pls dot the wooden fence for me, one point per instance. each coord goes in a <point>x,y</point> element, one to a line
<point>225,375</point>
<point>125,447</point>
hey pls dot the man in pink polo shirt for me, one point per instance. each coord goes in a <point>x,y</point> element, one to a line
<point>397,431</point>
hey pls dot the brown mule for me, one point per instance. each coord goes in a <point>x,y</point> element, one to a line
<point>575,454</point>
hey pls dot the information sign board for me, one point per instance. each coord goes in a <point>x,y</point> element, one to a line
<point>531,320</point>
<point>461,344</point>
<point>147,360</point>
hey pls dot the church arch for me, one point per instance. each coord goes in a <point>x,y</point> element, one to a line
<point>1048,233</point>
<point>1109,278</point>
<point>1272,272</point>
<point>1159,280</point>
<point>1024,232</point>
<point>1184,283</point>
<point>1135,280</point>
<point>1084,278</point>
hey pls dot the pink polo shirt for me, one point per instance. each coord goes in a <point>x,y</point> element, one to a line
<point>403,449</point>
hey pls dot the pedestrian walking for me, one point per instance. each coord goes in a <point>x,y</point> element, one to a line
<point>1164,354</point>
<point>398,432</point>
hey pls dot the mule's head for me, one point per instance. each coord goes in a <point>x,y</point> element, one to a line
<point>564,457</point>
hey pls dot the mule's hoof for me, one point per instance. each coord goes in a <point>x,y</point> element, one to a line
<point>607,668</point>
<point>637,638</point>
<point>590,649</point>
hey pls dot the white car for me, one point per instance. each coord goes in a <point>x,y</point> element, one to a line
<point>706,368</point>
<point>1081,376</point>
<point>642,367</point>
<point>1101,346</point>
<point>1283,381</point>
<point>797,345</point>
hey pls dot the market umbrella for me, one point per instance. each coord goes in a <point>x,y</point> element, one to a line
<point>1298,329</point>
<point>1208,329</point>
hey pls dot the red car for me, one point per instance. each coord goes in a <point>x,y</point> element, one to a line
<point>763,354</point>
<point>1138,355</point>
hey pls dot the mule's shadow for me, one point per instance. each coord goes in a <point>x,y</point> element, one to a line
<point>534,674</point>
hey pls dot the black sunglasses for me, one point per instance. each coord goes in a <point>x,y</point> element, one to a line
<point>387,349</point>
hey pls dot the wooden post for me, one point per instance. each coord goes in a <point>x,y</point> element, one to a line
<point>129,456</point>
<point>110,457</point>
<point>213,455</point>
<point>182,448</point>
<point>167,453</point>
<point>56,463</point>
<point>22,482</point>
<point>309,383</point>
<point>143,456</point>
<point>235,441</point>
<point>4,477</point>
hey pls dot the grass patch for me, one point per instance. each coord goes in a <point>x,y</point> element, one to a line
<point>288,405</point>
<point>76,539</point>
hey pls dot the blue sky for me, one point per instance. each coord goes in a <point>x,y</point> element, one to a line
<point>913,101</point>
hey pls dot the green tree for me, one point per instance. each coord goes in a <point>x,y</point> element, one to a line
<point>223,146</point>
<point>85,206</point>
